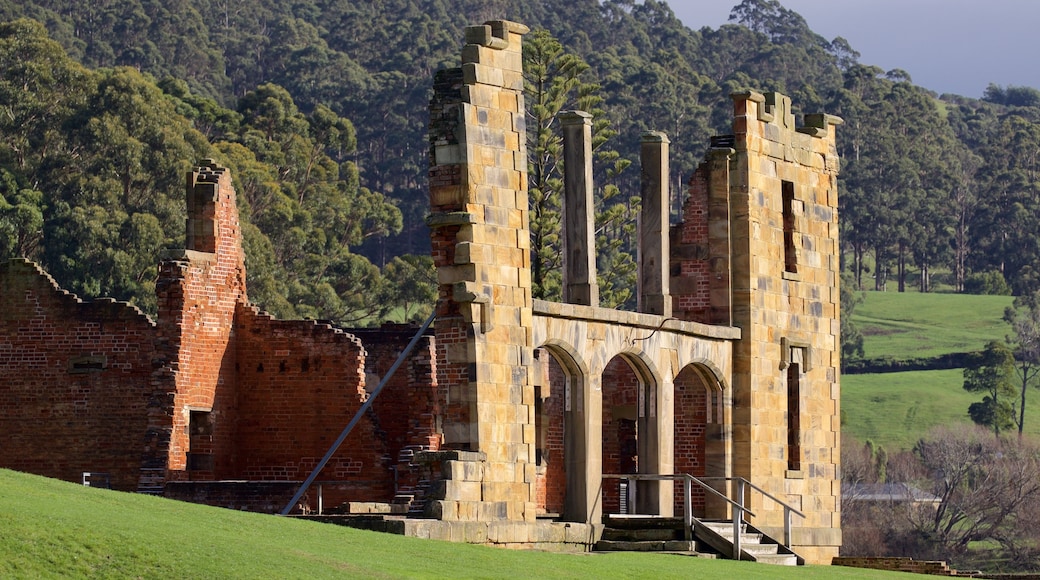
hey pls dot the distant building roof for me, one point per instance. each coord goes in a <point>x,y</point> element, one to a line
<point>893,492</point>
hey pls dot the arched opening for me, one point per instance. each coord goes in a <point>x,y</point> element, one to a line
<point>550,391</point>
<point>567,457</point>
<point>699,441</point>
<point>629,437</point>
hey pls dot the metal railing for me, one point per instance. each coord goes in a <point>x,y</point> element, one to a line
<point>788,510</point>
<point>738,506</point>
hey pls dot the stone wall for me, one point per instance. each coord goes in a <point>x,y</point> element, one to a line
<point>784,199</point>
<point>481,243</point>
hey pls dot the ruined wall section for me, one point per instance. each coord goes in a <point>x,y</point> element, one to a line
<point>701,244</point>
<point>410,405</point>
<point>74,380</point>
<point>481,246</point>
<point>298,385</point>
<point>409,409</point>
<point>198,290</point>
<point>784,200</point>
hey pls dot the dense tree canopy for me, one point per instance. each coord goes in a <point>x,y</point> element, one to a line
<point>319,108</point>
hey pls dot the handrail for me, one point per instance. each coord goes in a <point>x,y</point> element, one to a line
<point>688,481</point>
<point>675,476</point>
<point>788,510</point>
<point>763,492</point>
<point>739,508</point>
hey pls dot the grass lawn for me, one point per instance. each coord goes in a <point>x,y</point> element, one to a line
<point>911,324</point>
<point>54,529</point>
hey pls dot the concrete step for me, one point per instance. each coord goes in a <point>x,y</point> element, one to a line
<point>641,535</point>
<point>757,550</point>
<point>723,528</point>
<point>642,522</point>
<point>777,559</point>
<point>646,546</point>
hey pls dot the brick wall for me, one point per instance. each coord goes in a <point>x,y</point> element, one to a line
<point>690,264</point>
<point>691,405</point>
<point>408,409</point>
<point>198,290</point>
<point>929,567</point>
<point>216,390</point>
<point>553,484</point>
<point>620,392</point>
<point>74,380</point>
<point>256,496</point>
<point>298,385</point>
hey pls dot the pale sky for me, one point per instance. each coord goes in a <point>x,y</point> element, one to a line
<point>948,46</point>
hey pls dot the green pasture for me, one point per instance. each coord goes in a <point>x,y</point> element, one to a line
<point>897,409</point>
<point>911,324</point>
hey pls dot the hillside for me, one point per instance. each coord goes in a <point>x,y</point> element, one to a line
<point>53,529</point>
<point>896,409</point>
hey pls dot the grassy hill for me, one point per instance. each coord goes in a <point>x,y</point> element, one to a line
<point>54,529</point>
<point>911,324</point>
<point>896,409</point>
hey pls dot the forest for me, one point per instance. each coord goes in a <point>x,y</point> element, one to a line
<point>318,107</point>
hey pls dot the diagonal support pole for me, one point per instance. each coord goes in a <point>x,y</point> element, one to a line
<point>357,417</point>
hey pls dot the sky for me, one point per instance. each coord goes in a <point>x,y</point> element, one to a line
<point>947,46</point>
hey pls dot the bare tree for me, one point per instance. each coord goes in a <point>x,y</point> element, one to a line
<point>981,483</point>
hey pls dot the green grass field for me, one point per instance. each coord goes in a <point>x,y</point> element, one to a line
<point>897,409</point>
<point>910,324</point>
<point>54,529</point>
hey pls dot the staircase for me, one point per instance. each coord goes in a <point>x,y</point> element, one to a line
<point>641,533</point>
<point>754,545</point>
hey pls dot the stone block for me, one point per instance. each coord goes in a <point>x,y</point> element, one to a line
<point>548,532</point>
<point>442,510</point>
<point>469,511</point>
<point>476,73</point>
<point>578,533</point>
<point>480,95</point>
<point>507,492</point>
<point>474,532</point>
<point>492,511</point>
<point>471,471</point>
<point>441,530</point>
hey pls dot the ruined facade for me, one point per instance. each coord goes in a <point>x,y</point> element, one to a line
<point>512,421</point>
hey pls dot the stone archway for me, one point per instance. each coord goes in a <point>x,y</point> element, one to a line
<point>699,441</point>
<point>631,434</point>
<point>567,411</point>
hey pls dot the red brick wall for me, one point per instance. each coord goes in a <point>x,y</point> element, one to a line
<point>197,292</point>
<point>298,385</point>
<point>453,379</point>
<point>690,266</point>
<point>408,408</point>
<point>553,455</point>
<point>691,404</point>
<point>620,392</point>
<point>256,496</point>
<point>273,395</point>
<point>74,380</point>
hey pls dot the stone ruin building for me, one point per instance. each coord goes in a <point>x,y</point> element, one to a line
<point>511,420</point>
